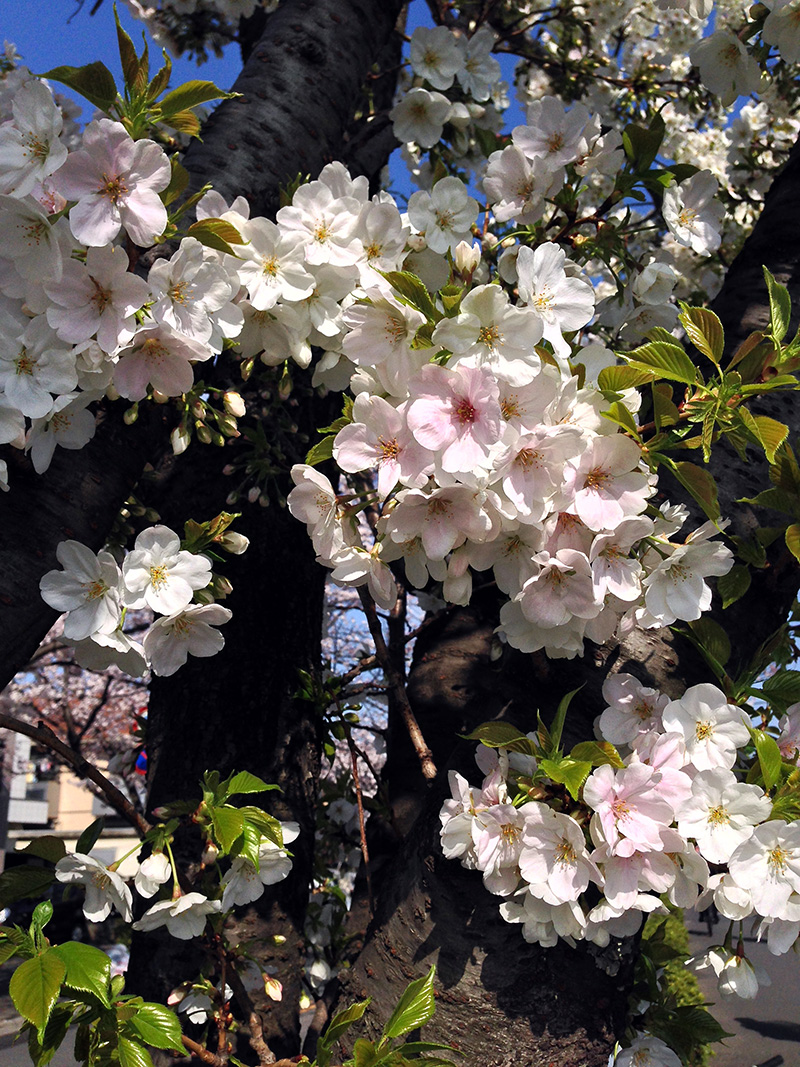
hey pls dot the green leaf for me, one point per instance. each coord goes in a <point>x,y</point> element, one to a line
<point>35,986</point>
<point>90,836</point>
<point>769,433</point>
<point>321,451</point>
<point>95,82</point>
<point>42,1051</point>
<point>128,59</point>
<point>780,306</point>
<point>666,360</point>
<point>244,782</point>
<point>46,847</point>
<point>88,969</point>
<point>160,79</point>
<point>18,883</point>
<point>177,183</point>
<point>132,1054</point>
<point>364,1053</point>
<point>414,1008</point>
<point>157,1026</point>
<point>782,687</point>
<point>733,585</point>
<point>618,379</point>
<point>620,414</point>
<point>597,753</point>
<point>267,825</point>
<point>769,757</point>
<point>339,1024</point>
<point>665,413</point>
<point>712,637</point>
<point>567,772</point>
<point>793,540</point>
<point>557,725</point>
<point>642,144</point>
<point>500,734</point>
<point>700,483</point>
<point>704,330</point>
<point>228,823</point>
<point>184,122</point>
<point>217,234</point>
<point>189,95</point>
<point>413,292</point>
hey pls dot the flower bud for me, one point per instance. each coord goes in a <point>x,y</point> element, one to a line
<point>273,988</point>
<point>180,439</point>
<point>228,426</point>
<point>253,494</point>
<point>466,257</point>
<point>416,242</point>
<point>233,542</point>
<point>203,433</point>
<point>210,853</point>
<point>159,398</point>
<point>234,404</point>
<point>246,367</point>
<point>131,415</point>
<point>199,409</point>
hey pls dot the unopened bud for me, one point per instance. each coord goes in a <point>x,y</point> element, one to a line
<point>152,515</point>
<point>131,415</point>
<point>285,387</point>
<point>466,257</point>
<point>416,242</point>
<point>234,404</point>
<point>204,435</point>
<point>233,542</point>
<point>180,439</point>
<point>273,988</point>
<point>228,426</point>
<point>246,367</point>
<point>204,596</point>
<point>232,499</point>
<point>278,939</point>
<point>210,853</point>
<point>217,439</point>
<point>253,494</point>
<point>199,409</point>
<point>221,587</point>
<point>159,398</point>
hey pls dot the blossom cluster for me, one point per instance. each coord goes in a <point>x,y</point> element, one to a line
<point>95,593</point>
<point>643,829</point>
<point>184,914</point>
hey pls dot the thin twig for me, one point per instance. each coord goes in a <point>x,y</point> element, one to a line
<point>361,823</point>
<point>398,689</point>
<point>45,736</point>
<point>257,1042</point>
<point>202,1053</point>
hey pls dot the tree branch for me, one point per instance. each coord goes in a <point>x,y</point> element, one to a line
<point>45,736</point>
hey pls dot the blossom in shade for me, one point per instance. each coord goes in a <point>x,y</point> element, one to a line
<point>444,215</point>
<point>632,709</point>
<point>115,181</point>
<point>190,632</point>
<point>420,116</point>
<point>152,873</point>
<point>184,918</point>
<point>767,864</point>
<point>647,1051</point>
<point>30,148</point>
<point>160,357</point>
<point>631,811</point>
<point>712,728</point>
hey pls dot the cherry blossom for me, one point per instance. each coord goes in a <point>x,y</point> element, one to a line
<point>104,888</point>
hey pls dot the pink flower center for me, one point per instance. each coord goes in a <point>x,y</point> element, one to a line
<point>113,188</point>
<point>465,411</point>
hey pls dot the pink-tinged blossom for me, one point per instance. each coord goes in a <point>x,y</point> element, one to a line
<point>443,519</point>
<point>379,437</point>
<point>160,357</point>
<point>543,923</point>
<point>789,740</point>
<point>631,812</point>
<point>115,181</point>
<point>721,813</point>
<point>614,570</point>
<point>191,632</point>
<point>510,555</point>
<point>767,864</point>
<point>29,240</point>
<point>564,304</point>
<point>559,642</point>
<point>355,566</point>
<point>518,187</point>
<point>531,469</point>
<point>98,298</point>
<point>455,413</point>
<point>30,148</point>
<point>314,502</point>
<point>324,223</point>
<point>480,70</point>
<point>456,817</point>
<point>497,838</point>
<point>87,589</point>
<point>727,68</point>
<point>554,859</point>
<point>606,483</point>
<point>561,590</point>
<point>435,55</point>
<point>160,574</point>
<point>444,215</point>
<point>633,709</point>
<point>712,728</point>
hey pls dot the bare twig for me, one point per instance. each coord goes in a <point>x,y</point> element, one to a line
<point>257,1042</point>
<point>397,687</point>
<point>45,736</point>
<point>361,826</point>
<point>202,1053</point>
